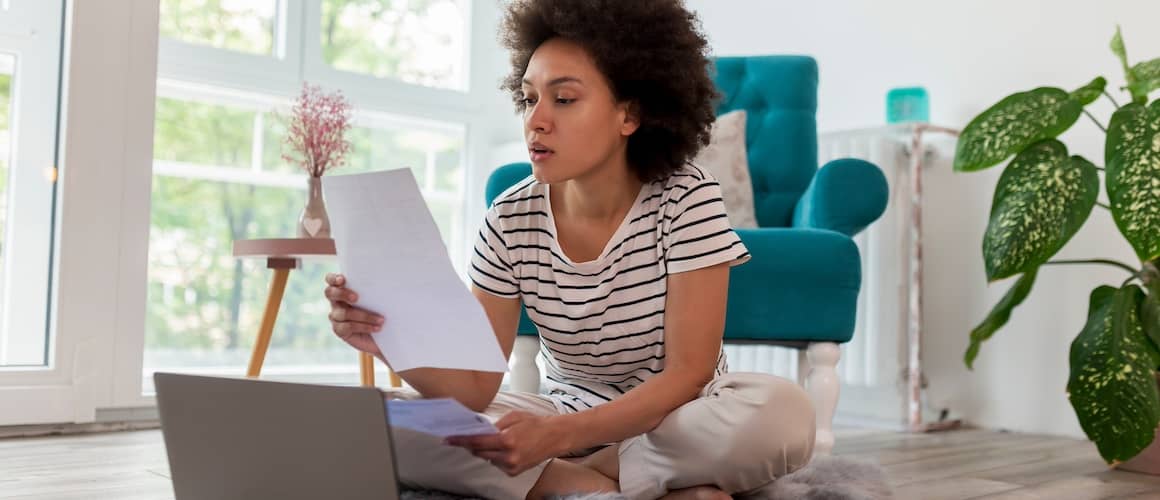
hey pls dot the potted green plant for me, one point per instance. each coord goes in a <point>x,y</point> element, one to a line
<point>1043,196</point>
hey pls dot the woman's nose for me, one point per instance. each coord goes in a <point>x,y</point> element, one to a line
<point>538,119</point>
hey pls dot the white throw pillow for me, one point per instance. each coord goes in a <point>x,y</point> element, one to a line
<point>726,158</point>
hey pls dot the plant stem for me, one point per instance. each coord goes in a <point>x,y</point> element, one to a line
<point>1097,122</point>
<point>1113,99</point>
<point>1150,273</point>
<point>1095,261</point>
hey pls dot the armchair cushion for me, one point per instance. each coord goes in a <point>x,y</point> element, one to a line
<point>845,196</point>
<point>800,285</point>
<point>726,159</point>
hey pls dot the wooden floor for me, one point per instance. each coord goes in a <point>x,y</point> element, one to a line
<point>952,465</point>
<point>994,465</point>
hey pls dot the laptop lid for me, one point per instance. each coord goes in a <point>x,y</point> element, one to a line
<point>232,438</point>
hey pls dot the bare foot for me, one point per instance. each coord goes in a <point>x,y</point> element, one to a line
<point>698,493</point>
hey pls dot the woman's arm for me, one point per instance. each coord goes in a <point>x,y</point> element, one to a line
<point>694,327</point>
<point>475,389</point>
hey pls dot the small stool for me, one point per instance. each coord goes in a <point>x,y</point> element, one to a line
<point>282,255</point>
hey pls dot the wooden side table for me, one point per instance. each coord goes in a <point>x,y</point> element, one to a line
<point>282,255</point>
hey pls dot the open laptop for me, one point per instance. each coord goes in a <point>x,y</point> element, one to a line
<point>233,438</point>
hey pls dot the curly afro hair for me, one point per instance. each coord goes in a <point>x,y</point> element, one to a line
<point>652,52</point>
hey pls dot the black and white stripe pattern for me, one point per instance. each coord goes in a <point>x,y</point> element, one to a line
<point>601,322</point>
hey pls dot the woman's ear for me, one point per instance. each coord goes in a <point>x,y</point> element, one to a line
<point>630,120</point>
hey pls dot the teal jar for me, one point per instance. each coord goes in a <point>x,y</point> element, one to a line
<point>907,104</point>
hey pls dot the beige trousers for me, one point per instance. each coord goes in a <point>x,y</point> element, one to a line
<point>743,431</point>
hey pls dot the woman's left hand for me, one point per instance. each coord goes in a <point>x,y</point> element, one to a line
<point>524,441</point>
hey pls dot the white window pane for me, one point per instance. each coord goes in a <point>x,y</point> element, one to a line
<point>416,41</point>
<point>204,307</point>
<point>200,133</point>
<point>239,25</point>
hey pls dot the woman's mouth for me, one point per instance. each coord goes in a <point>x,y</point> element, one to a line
<point>539,154</point>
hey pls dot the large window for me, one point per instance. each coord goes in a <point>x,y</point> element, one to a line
<point>218,175</point>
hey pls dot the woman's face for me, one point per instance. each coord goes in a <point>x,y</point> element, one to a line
<point>573,125</point>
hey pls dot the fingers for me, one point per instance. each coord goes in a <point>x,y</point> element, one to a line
<point>504,461</point>
<point>495,457</point>
<point>345,329</point>
<point>495,448</point>
<point>344,314</point>
<point>336,290</point>
<point>512,418</point>
<point>351,324</point>
<point>489,442</point>
<point>340,294</point>
<point>363,343</point>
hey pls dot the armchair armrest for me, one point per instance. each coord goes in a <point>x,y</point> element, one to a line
<point>845,195</point>
<point>801,284</point>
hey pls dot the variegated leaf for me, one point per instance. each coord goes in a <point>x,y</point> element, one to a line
<point>1112,387</point>
<point>1042,199</point>
<point>999,315</point>
<point>1133,176</point>
<point>1150,319</point>
<point>1147,78</point>
<point>1090,92</point>
<point>1118,49</point>
<point>1014,123</point>
<point>1121,53</point>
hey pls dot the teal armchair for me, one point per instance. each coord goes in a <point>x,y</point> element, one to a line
<point>800,289</point>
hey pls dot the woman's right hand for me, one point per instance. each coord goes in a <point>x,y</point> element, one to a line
<point>351,324</point>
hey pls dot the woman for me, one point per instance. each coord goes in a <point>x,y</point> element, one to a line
<point>620,250</point>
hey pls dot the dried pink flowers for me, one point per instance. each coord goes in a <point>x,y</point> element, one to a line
<point>316,132</point>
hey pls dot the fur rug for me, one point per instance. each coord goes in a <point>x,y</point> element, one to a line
<point>825,478</point>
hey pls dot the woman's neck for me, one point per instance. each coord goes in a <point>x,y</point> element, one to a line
<point>605,194</point>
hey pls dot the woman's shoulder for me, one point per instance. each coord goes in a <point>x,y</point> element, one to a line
<point>526,193</point>
<point>521,205</point>
<point>686,179</point>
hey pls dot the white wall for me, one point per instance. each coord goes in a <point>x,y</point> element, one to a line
<point>968,55</point>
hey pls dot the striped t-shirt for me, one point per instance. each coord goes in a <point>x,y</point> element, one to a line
<point>601,322</point>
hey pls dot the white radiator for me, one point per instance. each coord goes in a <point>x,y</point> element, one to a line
<point>871,366</point>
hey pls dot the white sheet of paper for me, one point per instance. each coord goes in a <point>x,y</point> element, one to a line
<point>392,256</point>
<point>439,417</point>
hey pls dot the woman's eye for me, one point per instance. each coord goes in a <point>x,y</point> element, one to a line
<point>529,101</point>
